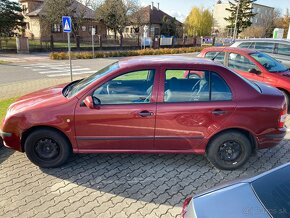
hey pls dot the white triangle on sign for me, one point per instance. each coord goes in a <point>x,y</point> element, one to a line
<point>66,25</point>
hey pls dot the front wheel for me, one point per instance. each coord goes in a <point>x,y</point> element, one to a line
<point>47,148</point>
<point>229,150</point>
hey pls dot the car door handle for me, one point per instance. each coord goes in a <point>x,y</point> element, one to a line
<point>146,113</point>
<point>218,112</point>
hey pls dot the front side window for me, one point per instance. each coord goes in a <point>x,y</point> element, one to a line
<point>265,46</point>
<point>240,62</point>
<point>130,88</point>
<point>283,49</point>
<point>204,86</point>
<point>245,45</point>
<point>216,56</point>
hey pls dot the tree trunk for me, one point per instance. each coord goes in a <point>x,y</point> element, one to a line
<point>78,42</point>
<point>51,42</point>
<point>121,39</point>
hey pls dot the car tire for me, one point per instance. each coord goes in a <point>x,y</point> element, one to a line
<point>229,150</point>
<point>47,148</point>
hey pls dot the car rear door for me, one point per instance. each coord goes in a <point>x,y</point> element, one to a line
<point>125,118</point>
<point>190,109</point>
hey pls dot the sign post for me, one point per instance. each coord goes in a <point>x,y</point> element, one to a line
<point>66,23</point>
<point>93,42</point>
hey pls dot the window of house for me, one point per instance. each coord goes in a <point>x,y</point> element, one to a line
<point>206,86</point>
<point>127,30</point>
<point>130,88</point>
<point>84,28</point>
<point>56,28</point>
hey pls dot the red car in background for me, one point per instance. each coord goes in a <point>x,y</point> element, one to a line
<point>253,65</point>
<point>145,105</point>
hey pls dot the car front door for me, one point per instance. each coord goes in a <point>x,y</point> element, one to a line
<point>189,109</point>
<point>124,118</point>
<point>242,65</point>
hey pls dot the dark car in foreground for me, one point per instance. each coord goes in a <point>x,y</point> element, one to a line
<point>263,196</point>
<point>146,105</point>
<point>253,65</point>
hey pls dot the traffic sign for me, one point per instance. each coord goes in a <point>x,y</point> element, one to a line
<point>66,23</point>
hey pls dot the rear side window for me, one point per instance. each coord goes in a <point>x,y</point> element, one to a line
<point>203,87</point>
<point>245,45</point>
<point>274,192</point>
<point>218,56</point>
<point>265,46</point>
<point>283,49</point>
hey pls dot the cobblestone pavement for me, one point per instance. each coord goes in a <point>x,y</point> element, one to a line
<point>116,185</point>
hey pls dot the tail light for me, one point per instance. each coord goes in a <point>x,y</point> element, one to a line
<point>186,202</point>
<point>283,116</point>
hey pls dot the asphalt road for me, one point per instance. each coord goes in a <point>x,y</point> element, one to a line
<point>39,66</point>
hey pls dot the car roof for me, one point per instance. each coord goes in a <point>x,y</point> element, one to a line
<point>231,49</point>
<point>243,180</point>
<point>164,60</point>
<point>263,40</point>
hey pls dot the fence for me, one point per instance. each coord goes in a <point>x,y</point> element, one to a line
<point>105,43</point>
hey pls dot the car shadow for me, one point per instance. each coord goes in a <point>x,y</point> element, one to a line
<point>160,178</point>
<point>5,153</point>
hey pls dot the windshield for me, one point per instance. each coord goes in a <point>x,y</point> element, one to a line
<point>89,80</point>
<point>271,64</point>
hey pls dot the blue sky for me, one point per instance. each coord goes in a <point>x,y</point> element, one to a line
<point>181,8</point>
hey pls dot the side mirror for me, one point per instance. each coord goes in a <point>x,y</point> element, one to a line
<point>89,102</point>
<point>254,71</point>
<point>92,102</point>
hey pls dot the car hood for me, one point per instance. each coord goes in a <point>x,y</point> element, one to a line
<point>42,98</point>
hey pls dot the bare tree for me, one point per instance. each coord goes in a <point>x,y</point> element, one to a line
<point>116,14</point>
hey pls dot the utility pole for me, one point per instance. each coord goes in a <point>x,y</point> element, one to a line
<point>236,20</point>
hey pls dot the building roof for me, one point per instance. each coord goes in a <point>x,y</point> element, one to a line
<point>152,16</point>
<point>78,8</point>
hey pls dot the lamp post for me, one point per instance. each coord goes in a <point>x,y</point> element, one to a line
<point>236,20</point>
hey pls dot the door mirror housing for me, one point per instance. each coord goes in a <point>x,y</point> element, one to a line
<point>254,71</point>
<point>92,102</point>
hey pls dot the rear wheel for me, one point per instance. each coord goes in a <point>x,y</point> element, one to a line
<point>229,150</point>
<point>47,148</point>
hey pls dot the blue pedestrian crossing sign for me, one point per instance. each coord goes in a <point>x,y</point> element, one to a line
<point>66,24</point>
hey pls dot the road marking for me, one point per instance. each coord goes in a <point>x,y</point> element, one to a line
<point>67,74</point>
<point>63,71</point>
<point>54,68</point>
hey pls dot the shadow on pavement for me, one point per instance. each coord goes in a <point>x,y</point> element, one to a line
<point>160,179</point>
<point>4,152</point>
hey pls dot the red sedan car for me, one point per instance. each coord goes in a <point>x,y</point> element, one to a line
<point>253,65</point>
<point>145,105</point>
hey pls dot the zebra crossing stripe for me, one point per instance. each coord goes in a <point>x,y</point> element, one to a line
<point>63,71</point>
<point>68,74</point>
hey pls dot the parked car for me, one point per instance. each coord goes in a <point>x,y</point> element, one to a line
<point>145,105</point>
<point>263,196</point>
<point>277,48</point>
<point>253,65</point>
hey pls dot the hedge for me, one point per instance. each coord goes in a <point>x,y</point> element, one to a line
<point>89,55</point>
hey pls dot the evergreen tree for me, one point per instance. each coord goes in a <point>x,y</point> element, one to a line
<point>11,18</point>
<point>245,14</point>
